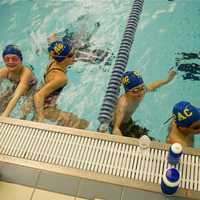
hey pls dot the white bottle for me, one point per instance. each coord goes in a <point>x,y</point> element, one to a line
<point>144,143</point>
<point>174,154</point>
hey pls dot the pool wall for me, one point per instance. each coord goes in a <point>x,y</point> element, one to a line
<point>88,164</point>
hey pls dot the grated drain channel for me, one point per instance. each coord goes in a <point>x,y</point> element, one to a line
<point>96,155</point>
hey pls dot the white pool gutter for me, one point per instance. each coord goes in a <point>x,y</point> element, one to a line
<point>37,149</point>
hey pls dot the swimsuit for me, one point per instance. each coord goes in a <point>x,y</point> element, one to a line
<point>64,118</point>
<point>50,100</point>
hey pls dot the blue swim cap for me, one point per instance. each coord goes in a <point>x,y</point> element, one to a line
<point>131,79</point>
<point>185,114</point>
<point>12,49</point>
<point>60,50</point>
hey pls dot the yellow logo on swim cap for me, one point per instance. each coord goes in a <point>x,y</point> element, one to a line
<point>58,48</point>
<point>137,73</point>
<point>186,113</point>
<point>125,80</point>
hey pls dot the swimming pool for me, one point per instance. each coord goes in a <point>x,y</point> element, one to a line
<point>165,29</point>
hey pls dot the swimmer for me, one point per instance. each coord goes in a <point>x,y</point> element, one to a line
<point>188,56</point>
<point>184,125</point>
<point>192,70</point>
<point>135,90</point>
<point>61,56</point>
<point>189,67</point>
<point>191,77</point>
<point>82,46</point>
<point>22,78</point>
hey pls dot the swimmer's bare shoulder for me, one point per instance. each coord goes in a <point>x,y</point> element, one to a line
<point>175,135</point>
<point>3,72</point>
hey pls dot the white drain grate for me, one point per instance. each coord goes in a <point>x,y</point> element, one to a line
<point>96,155</point>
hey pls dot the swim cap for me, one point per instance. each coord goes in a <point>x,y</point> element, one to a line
<point>60,50</point>
<point>185,113</point>
<point>12,49</point>
<point>131,79</point>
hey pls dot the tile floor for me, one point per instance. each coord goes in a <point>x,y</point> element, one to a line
<point>10,191</point>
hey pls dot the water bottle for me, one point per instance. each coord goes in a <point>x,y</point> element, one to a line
<point>170,181</point>
<point>175,152</point>
<point>144,143</point>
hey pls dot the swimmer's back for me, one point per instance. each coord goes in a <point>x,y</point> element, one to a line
<point>175,135</point>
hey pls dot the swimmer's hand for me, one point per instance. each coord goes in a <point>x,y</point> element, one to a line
<point>52,38</point>
<point>4,114</point>
<point>171,74</point>
<point>39,118</point>
<point>116,131</point>
<point>153,86</point>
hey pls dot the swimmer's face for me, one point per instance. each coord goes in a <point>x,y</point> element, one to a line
<point>70,58</point>
<point>137,92</point>
<point>12,61</point>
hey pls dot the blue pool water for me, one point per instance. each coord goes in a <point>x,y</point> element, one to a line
<point>165,29</point>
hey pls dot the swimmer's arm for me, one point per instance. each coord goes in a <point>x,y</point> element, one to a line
<point>52,38</point>
<point>171,140</point>
<point>153,86</point>
<point>44,92</point>
<point>55,36</point>
<point>3,73</point>
<point>118,118</point>
<point>19,91</point>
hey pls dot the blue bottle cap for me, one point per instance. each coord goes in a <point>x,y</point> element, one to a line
<point>171,177</point>
<point>176,148</point>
